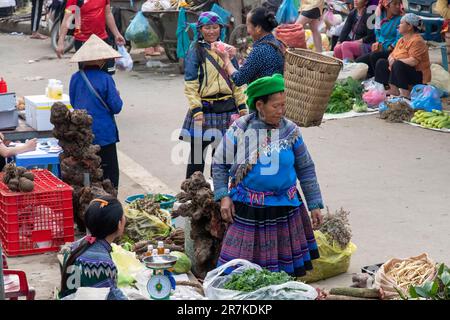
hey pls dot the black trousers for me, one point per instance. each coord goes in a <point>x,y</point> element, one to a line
<point>110,163</point>
<point>36,14</point>
<point>371,60</point>
<point>401,75</point>
<point>110,65</point>
<point>197,160</point>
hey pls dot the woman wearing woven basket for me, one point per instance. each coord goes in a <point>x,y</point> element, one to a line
<point>263,154</point>
<point>409,63</point>
<point>266,57</point>
<point>214,100</point>
<point>356,37</point>
<point>386,30</point>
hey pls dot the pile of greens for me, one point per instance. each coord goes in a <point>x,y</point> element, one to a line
<point>345,94</point>
<point>252,280</point>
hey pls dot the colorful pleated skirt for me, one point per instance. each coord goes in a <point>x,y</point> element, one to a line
<point>275,238</point>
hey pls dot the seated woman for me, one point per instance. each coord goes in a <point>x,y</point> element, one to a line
<point>409,63</point>
<point>264,154</point>
<point>386,34</point>
<point>356,37</point>
<point>89,264</point>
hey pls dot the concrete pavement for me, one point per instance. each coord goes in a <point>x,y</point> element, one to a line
<point>393,178</point>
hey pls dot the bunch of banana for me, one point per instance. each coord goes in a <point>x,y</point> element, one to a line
<point>435,119</point>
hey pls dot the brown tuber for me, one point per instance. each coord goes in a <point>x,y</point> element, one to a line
<point>25,185</point>
<point>18,178</point>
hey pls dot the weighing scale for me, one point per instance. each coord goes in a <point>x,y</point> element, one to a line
<point>162,282</point>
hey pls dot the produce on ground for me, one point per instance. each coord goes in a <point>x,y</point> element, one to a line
<point>397,111</point>
<point>80,163</point>
<point>336,227</point>
<point>396,276</point>
<point>183,264</point>
<point>435,119</point>
<point>360,106</point>
<point>174,242</point>
<point>150,206</point>
<point>142,225</point>
<point>252,280</point>
<point>438,289</point>
<point>411,273</point>
<point>18,178</point>
<point>207,226</point>
<point>357,292</point>
<point>345,94</point>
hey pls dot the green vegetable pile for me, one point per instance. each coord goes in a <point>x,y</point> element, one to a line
<point>345,94</point>
<point>252,280</point>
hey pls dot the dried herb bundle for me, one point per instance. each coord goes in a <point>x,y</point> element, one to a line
<point>336,227</point>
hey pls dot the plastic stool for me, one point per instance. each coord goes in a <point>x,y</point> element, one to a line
<point>432,29</point>
<point>45,161</point>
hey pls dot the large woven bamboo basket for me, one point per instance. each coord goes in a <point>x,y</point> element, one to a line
<point>309,78</point>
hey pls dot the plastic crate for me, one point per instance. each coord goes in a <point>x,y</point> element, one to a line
<point>38,221</point>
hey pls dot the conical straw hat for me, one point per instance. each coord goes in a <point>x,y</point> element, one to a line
<point>95,49</point>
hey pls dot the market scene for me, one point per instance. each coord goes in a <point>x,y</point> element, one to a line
<point>224,150</point>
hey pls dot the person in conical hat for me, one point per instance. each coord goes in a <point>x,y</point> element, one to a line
<point>103,104</point>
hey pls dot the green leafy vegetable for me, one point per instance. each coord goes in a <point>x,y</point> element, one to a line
<point>438,289</point>
<point>345,94</point>
<point>252,280</point>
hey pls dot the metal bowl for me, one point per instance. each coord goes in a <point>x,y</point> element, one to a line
<point>160,262</point>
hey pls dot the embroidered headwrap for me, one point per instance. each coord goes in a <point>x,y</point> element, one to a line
<point>263,87</point>
<point>207,19</point>
<point>412,19</point>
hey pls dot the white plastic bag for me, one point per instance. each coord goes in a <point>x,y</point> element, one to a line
<point>125,63</point>
<point>440,78</point>
<point>149,5</point>
<point>215,281</point>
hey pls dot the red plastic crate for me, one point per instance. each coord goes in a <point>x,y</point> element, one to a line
<point>38,221</point>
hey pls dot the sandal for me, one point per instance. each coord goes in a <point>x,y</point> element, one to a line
<point>38,36</point>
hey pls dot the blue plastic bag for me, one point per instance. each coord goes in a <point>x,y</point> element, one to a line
<point>287,13</point>
<point>426,97</point>
<point>140,32</point>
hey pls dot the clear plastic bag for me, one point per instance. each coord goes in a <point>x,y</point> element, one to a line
<point>125,63</point>
<point>287,13</point>
<point>375,93</point>
<point>140,32</point>
<point>215,281</point>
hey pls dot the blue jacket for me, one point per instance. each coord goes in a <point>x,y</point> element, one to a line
<point>103,126</point>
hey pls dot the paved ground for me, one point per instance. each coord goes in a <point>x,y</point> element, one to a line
<point>394,178</point>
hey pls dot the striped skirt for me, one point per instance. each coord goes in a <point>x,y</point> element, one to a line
<point>276,238</point>
<point>213,128</point>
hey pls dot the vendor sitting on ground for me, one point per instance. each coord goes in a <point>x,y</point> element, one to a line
<point>89,264</point>
<point>93,89</point>
<point>356,37</point>
<point>264,154</point>
<point>386,34</point>
<point>8,152</point>
<point>409,63</point>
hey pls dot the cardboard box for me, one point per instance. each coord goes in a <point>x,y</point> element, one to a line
<point>37,111</point>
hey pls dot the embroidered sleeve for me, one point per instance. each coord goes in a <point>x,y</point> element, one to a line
<point>222,162</point>
<point>306,173</point>
<point>192,84</point>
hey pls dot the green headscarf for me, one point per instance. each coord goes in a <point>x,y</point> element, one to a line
<point>263,87</point>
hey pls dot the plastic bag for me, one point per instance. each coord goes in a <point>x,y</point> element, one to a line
<point>333,259</point>
<point>385,282</point>
<point>426,98</point>
<point>125,63</point>
<point>310,41</point>
<point>357,71</point>
<point>440,78</point>
<point>287,13</point>
<point>375,93</point>
<point>140,32</point>
<point>128,266</point>
<point>215,280</point>
<point>149,5</point>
